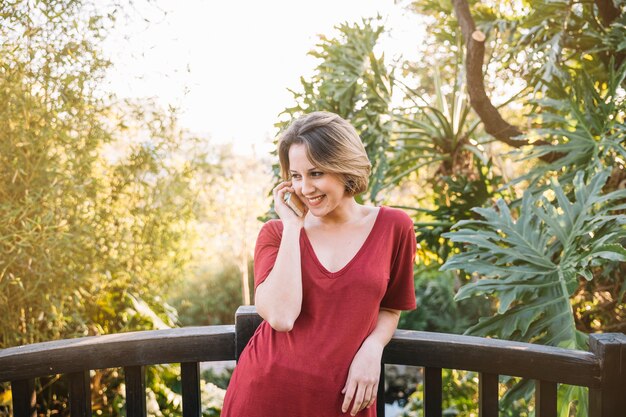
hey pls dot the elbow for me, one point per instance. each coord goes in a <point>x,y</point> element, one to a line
<point>280,320</point>
<point>282,325</point>
<point>277,322</point>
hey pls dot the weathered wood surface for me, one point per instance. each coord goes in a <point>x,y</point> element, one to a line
<point>247,320</point>
<point>80,394</point>
<point>190,382</point>
<point>24,398</point>
<point>488,400</point>
<point>135,378</point>
<point>545,399</point>
<point>500,357</point>
<point>610,398</point>
<point>187,344</point>
<point>433,392</point>
<point>492,356</point>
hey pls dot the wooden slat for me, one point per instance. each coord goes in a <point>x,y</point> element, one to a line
<point>24,399</point>
<point>190,381</point>
<point>80,394</point>
<point>432,392</point>
<point>545,399</point>
<point>186,344</point>
<point>500,357</point>
<point>488,395</point>
<point>380,395</point>
<point>135,377</point>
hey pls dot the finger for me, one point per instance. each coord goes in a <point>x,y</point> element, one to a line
<point>281,185</point>
<point>358,400</point>
<point>349,390</point>
<point>281,194</point>
<point>368,398</point>
<point>373,395</point>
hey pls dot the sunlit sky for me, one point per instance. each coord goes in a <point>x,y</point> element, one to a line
<point>227,64</point>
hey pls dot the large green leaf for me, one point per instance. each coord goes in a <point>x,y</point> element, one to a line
<point>531,263</point>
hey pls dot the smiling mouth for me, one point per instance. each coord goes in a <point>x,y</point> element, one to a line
<point>315,200</point>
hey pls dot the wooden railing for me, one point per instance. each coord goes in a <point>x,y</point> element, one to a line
<point>603,369</point>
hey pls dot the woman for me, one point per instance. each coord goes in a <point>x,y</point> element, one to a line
<point>330,284</point>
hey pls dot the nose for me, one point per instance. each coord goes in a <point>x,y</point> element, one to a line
<point>307,186</point>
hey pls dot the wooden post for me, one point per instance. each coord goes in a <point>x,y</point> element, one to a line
<point>610,399</point>
<point>488,395</point>
<point>80,394</point>
<point>246,322</point>
<point>380,395</point>
<point>135,377</point>
<point>190,381</point>
<point>433,394</point>
<point>24,399</point>
<point>545,398</point>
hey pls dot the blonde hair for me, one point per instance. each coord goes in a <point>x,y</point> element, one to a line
<point>332,144</point>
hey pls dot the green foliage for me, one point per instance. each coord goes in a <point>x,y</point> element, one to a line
<point>567,61</point>
<point>532,264</point>
<point>437,310</point>
<point>460,397</point>
<point>211,296</point>
<point>438,134</point>
<point>583,121</point>
<point>454,197</point>
<point>93,206</point>
<point>220,380</point>
<point>96,194</point>
<point>433,134</point>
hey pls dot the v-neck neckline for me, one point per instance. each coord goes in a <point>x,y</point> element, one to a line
<point>353,259</point>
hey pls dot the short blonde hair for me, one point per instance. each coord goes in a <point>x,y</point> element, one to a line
<point>332,144</point>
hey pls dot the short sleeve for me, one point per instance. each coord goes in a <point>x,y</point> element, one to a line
<point>266,251</point>
<point>400,294</point>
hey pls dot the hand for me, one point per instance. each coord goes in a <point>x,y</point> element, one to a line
<point>285,213</point>
<point>363,378</point>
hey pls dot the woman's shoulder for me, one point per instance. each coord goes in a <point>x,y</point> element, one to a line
<point>274,225</point>
<point>396,216</point>
<point>272,229</point>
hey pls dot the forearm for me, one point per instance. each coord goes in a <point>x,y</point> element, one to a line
<point>279,297</point>
<point>386,326</point>
<point>365,369</point>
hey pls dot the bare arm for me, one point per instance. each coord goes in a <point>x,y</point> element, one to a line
<point>279,298</point>
<point>385,328</point>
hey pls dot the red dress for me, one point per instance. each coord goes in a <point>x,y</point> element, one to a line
<point>301,373</point>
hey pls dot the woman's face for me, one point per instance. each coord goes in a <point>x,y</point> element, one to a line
<point>322,192</point>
